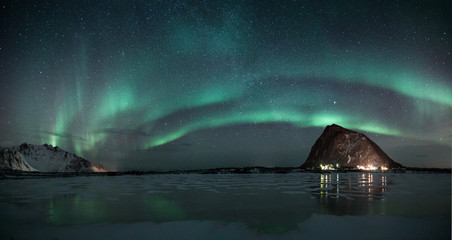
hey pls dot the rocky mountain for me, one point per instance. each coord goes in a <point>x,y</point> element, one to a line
<point>44,158</point>
<point>344,148</point>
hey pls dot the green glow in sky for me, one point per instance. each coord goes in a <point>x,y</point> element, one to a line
<point>140,76</point>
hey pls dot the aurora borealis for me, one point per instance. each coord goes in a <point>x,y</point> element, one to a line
<point>182,84</point>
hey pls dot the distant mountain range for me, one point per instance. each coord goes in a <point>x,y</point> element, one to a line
<point>44,158</point>
<point>339,147</point>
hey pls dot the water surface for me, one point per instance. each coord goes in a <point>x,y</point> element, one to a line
<point>228,206</point>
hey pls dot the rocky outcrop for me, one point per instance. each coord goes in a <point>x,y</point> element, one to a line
<point>344,148</point>
<point>14,160</point>
<point>44,158</point>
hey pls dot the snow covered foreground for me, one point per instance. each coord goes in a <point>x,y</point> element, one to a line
<point>44,158</point>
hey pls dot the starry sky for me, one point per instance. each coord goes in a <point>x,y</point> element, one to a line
<point>153,85</point>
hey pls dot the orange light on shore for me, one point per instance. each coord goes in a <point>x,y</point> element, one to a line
<point>367,168</point>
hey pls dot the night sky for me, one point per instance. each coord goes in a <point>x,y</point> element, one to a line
<point>155,85</point>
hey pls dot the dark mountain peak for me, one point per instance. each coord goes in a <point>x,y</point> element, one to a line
<point>334,129</point>
<point>24,146</point>
<point>338,146</point>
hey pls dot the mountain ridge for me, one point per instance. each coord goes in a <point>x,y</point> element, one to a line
<point>341,147</point>
<point>44,158</point>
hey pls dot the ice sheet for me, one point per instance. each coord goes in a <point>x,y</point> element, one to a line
<point>237,206</point>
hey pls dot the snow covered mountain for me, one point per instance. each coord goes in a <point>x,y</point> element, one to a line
<point>44,158</point>
<point>344,148</point>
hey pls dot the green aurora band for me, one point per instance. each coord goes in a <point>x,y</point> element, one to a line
<point>144,75</point>
<point>122,100</point>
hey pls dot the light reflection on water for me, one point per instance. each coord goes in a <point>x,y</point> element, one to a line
<point>350,194</point>
<point>268,203</point>
<point>368,185</point>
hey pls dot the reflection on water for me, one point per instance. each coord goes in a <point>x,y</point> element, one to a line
<point>349,194</point>
<point>72,209</point>
<point>367,185</point>
<point>268,203</point>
